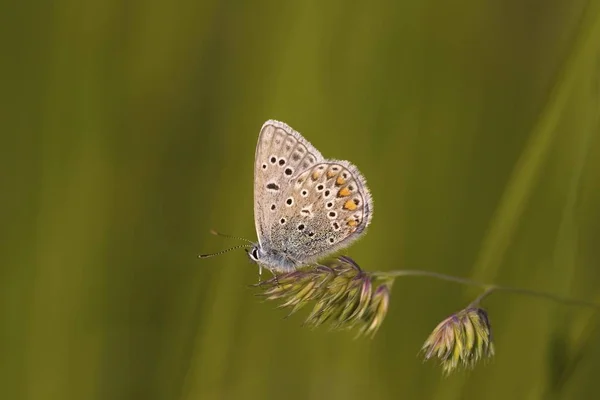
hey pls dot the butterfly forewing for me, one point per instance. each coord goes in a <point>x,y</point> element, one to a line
<point>281,154</point>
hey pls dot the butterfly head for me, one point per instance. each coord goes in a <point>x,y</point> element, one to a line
<point>254,253</point>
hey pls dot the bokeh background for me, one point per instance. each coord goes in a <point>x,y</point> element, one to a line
<point>128,130</point>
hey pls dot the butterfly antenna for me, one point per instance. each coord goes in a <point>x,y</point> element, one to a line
<point>229,236</point>
<point>223,251</point>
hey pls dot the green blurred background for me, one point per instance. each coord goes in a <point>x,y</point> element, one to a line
<point>128,131</point>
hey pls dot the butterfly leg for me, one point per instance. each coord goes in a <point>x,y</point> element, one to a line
<point>275,277</point>
<point>259,273</point>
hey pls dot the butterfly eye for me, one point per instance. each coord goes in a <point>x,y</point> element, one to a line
<point>255,253</point>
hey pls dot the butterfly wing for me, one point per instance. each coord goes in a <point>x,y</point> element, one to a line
<point>327,208</point>
<point>281,153</point>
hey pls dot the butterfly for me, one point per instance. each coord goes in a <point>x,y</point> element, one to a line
<point>306,207</point>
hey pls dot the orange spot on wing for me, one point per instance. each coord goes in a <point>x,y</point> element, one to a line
<point>344,192</point>
<point>330,174</point>
<point>315,175</point>
<point>351,222</point>
<point>349,205</point>
<point>340,181</point>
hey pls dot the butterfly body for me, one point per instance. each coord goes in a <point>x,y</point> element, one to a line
<point>306,207</point>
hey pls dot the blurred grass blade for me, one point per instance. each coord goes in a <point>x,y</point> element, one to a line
<point>533,158</point>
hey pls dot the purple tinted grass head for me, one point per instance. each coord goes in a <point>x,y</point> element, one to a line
<point>461,340</point>
<point>342,295</point>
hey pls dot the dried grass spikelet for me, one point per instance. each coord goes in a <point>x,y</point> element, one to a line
<point>344,296</point>
<point>461,340</point>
